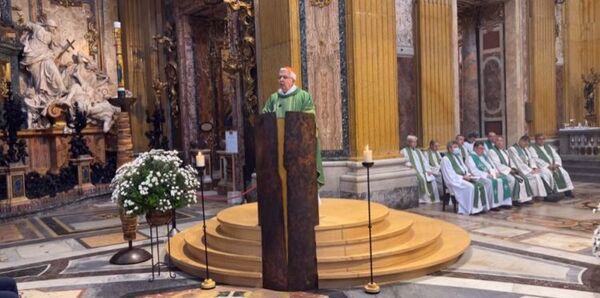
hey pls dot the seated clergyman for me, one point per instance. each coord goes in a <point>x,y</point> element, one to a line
<point>428,190</point>
<point>490,143</point>
<point>468,191</point>
<point>546,157</point>
<point>520,186</point>
<point>460,140</point>
<point>496,184</point>
<point>469,144</point>
<point>527,167</point>
<point>434,158</point>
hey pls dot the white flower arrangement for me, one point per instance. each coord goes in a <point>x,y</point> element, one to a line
<point>596,237</point>
<point>155,180</point>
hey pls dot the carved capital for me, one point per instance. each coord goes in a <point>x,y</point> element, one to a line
<point>320,3</point>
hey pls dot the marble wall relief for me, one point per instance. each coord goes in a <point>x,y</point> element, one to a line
<point>491,80</point>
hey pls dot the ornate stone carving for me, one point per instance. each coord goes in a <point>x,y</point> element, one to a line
<point>168,41</point>
<point>320,3</point>
<point>247,61</point>
<point>404,27</point>
<point>67,3</point>
<point>55,85</point>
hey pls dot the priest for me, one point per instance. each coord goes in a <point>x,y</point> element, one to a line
<point>428,190</point>
<point>434,159</point>
<point>520,185</point>
<point>469,144</point>
<point>468,191</point>
<point>546,158</point>
<point>497,185</point>
<point>290,98</point>
<point>527,167</point>
<point>460,140</point>
<point>490,142</point>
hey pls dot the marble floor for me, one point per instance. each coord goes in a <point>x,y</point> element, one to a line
<point>537,250</point>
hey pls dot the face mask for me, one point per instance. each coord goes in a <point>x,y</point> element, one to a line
<point>456,151</point>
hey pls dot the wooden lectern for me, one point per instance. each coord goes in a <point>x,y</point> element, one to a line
<point>288,209</point>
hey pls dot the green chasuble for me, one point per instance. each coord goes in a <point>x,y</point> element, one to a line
<point>479,195</point>
<point>297,101</point>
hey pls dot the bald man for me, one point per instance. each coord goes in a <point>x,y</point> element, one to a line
<point>290,98</point>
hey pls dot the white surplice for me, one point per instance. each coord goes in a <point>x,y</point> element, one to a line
<point>521,195</point>
<point>463,191</point>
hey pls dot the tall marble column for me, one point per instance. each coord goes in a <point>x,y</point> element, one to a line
<point>516,63</point>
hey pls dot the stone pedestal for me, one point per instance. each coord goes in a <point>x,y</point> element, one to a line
<point>84,172</point>
<point>392,183</point>
<point>15,184</point>
<point>124,140</point>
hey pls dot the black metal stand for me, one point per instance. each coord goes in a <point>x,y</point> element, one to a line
<point>155,245</point>
<point>130,255</point>
<point>371,287</point>
<point>208,283</point>
<point>174,230</point>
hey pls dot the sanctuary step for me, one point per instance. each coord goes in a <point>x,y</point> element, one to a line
<point>405,245</point>
<point>583,170</point>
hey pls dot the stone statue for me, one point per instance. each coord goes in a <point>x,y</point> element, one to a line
<point>89,88</point>
<point>54,88</point>
<point>590,81</point>
<point>38,58</point>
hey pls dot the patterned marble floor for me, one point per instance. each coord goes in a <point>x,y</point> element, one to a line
<point>538,250</point>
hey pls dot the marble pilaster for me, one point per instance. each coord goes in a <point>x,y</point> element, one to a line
<point>516,63</point>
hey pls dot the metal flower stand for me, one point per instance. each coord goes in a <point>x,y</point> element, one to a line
<point>155,246</point>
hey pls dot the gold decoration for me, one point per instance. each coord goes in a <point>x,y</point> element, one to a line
<point>320,3</point>
<point>91,36</point>
<point>3,88</point>
<point>246,61</point>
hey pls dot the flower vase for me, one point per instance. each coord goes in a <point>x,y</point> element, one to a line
<point>129,225</point>
<point>157,218</point>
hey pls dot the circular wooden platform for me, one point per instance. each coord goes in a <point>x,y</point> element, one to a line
<point>405,245</point>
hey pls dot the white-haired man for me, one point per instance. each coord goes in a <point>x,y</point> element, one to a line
<point>290,98</point>
<point>428,190</point>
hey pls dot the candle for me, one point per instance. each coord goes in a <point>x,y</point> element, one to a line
<point>368,154</point>
<point>119,51</point>
<point>200,160</point>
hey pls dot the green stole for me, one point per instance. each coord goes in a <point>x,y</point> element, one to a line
<point>431,156</point>
<point>557,174</point>
<point>505,184</point>
<point>522,155</point>
<point>463,153</point>
<point>479,188</point>
<point>517,188</point>
<point>424,185</point>
<point>489,144</point>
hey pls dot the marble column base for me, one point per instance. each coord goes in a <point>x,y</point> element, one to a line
<point>392,183</point>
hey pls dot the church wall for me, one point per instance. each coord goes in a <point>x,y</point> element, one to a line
<point>543,68</point>
<point>407,70</point>
<point>279,43</point>
<point>581,53</point>
<point>437,71</point>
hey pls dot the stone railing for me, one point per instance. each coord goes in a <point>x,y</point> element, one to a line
<point>580,142</point>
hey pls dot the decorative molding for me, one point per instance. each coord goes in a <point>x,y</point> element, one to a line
<point>320,3</point>
<point>345,152</point>
<point>303,53</point>
<point>67,3</point>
